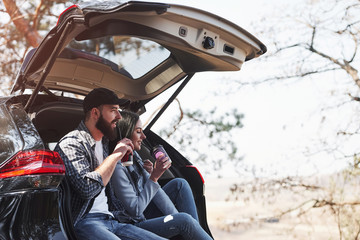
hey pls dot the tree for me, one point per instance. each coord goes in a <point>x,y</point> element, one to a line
<point>23,25</point>
<point>23,29</point>
<point>195,130</point>
<point>321,42</point>
<point>318,41</point>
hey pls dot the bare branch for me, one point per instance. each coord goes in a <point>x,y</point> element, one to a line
<point>23,26</point>
<point>354,98</point>
<point>180,118</point>
<point>313,37</point>
<point>295,208</point>
<point>356,47</point>
<point>288,77</point>
<point>36,15</point>
<point>358,233</point>
<point>346,29</point>
<point>345,65</point>
<point>278,50</point>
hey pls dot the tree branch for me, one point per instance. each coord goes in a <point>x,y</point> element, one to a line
<point>36,15</point>
<point>23,25</point>
<point>356,47</point>
<point>345,66</point>
<point>354,98</point>
<point>288,77</point>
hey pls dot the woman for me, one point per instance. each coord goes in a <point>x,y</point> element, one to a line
<point>136,186</point>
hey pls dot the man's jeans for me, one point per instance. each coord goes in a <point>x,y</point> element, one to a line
<point>95,226</point>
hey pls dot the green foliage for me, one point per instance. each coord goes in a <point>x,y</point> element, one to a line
<point>207,137</point>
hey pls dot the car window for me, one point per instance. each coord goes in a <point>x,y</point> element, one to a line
<point>130,55</point>
<point>9,136</point>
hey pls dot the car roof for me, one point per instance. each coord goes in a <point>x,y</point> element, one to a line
<point>188,40</point>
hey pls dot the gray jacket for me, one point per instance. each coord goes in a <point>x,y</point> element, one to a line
<point>134,190</point>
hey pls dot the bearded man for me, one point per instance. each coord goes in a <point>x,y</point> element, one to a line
<point>89,167</point>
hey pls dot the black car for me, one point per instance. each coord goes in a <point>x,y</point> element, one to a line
<point>92,46</point>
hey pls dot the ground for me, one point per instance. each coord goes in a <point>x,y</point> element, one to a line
<point>252,219</point>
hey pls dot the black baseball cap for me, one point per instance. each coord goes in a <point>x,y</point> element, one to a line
<point>100,96</point>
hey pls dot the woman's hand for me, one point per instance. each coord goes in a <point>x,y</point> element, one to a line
<point>161,165</point>
<point>148,166</point>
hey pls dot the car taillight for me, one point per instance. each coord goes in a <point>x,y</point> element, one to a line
<point>191,166</point>
<point>65,11</point>
<point>33,162</point>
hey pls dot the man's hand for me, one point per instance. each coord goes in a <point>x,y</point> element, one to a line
<point>106,168</point>
<point>123,147</point>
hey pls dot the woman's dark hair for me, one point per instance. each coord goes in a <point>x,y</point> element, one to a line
<point>125,127</point>
<point>127,123</point>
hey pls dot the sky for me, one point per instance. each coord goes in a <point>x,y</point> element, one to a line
<point>282,121</point>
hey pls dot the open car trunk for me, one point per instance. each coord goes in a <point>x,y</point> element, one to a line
<point>90,46</point>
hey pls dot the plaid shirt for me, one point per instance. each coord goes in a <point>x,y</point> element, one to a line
<point>77,149</point>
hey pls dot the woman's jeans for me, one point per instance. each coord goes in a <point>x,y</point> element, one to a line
<point>181,195</point>
<point>175,224</point>
<point>179,192</point>
<point>184,223</point>
<point>95,226</point>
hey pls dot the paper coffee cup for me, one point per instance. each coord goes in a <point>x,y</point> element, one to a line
<point>157,150</point>
<point>127,160</point>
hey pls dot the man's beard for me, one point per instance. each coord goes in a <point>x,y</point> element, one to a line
<point>105,128</point>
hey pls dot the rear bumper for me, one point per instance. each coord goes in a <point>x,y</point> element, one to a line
<point>30,214</point>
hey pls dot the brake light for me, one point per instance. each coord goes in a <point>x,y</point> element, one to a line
<point>191,166</point>
<point>61,14</point>
<point>33,162</point>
